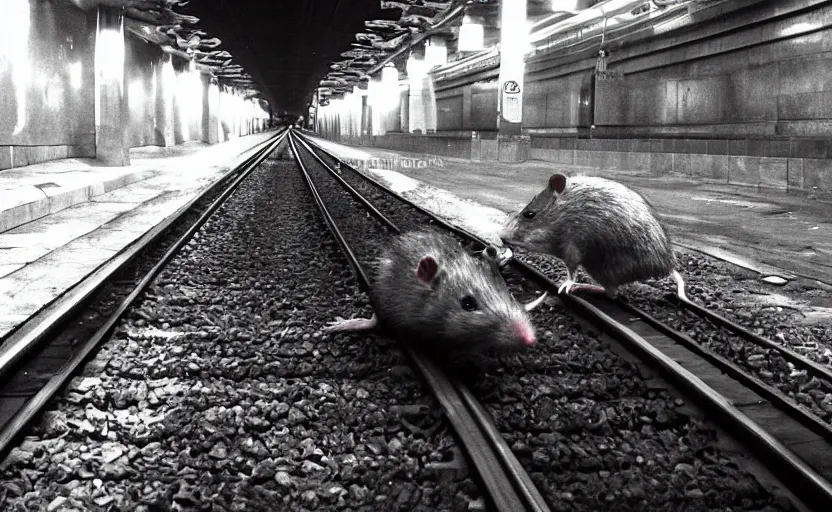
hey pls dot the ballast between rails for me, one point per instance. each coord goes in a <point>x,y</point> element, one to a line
<point>24,341</point>
<point>509,486</point>
<point>782,461</point>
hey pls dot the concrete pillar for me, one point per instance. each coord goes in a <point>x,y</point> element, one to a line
<point>213,112</point>
<point>429,105</point>
<point>404,110</point>
<point>166,90</point>
<point>366,120</point>
<point>512,146</point>
<point>416,121</point>
<point>205,80</point>
<point>112,116</point>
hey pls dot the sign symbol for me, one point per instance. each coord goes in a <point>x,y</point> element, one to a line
<point>511,87</point>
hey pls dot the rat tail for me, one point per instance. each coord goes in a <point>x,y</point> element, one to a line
<point>680,285</point>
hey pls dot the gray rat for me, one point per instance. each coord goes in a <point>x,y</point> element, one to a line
<point>599,224</point>
<point>427,288</point>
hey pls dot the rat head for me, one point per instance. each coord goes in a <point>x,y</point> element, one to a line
<point>526,229</point>
<point>470,305</point>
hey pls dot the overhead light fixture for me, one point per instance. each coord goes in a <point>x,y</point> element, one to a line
<point>435,54</point>
<point>471,36</point>
<point>390,75</point>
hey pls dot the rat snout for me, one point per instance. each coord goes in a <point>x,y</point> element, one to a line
<point>524,333</point>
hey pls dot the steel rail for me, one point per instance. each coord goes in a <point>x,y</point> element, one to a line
<point>787,353</point>
<point>508,484</point>
<point>30,333</point>
<point>770,393</point>
<point>32,407</point>
<point>803,479</point>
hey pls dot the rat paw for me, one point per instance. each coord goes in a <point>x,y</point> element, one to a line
<point>353,324</point>
<point>567,286</point>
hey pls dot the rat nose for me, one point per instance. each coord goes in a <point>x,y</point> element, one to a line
<point>524,332</point>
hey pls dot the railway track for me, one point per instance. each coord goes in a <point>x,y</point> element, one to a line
<point>39,357</point>
<point>509,486</point>
<point>116,437</point>
<point>212,385</point>
<point>791,440</point>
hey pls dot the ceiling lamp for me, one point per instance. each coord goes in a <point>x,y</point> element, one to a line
<point>415,68</point>
<point>435,54</point>
<point>390,76</point>
<point>471,37</point>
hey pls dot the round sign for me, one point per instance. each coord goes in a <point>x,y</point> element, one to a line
<point>511,87</point>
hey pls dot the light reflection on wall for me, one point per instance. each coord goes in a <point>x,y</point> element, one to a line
<point>189,102</point>
<point>15,23</point>
<point>75,75</point>
<point>109,55</point>
<point>239,116</point>
<point>135,94</point>
<point>109,63</point>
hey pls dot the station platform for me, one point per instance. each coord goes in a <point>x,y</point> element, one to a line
<point>769,231</point>
<point>61,220</point>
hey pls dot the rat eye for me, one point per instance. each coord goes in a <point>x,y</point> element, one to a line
<point>528,214</point>
<point>468,303</point>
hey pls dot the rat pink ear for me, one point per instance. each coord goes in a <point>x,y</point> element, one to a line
<point>427,269</point>
<point>557,183</point>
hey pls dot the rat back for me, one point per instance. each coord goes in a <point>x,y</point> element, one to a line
<point>599,224</point>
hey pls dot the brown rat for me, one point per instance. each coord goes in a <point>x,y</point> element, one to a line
<point>428,289</point>
<point>599,224</point>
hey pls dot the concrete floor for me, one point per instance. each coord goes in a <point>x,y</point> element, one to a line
<point>771,231</point>
<point>43,258</point>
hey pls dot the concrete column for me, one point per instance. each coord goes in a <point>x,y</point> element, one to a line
<point>112,116</point>
<point>210,110</point>
<point>404,110</point>
<point>166,90</point>
<point>213,112</point>
<point>416,121</point>
<point>206,109</point>
<point>512,146</point>
<point>366,121</point>
<point>429,105</point>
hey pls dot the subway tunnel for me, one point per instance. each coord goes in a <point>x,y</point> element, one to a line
<point>452,255</point>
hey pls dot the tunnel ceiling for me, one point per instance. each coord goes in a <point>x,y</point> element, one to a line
<point>287,46</point>
<point>278,50</point>
<point>282,50</point>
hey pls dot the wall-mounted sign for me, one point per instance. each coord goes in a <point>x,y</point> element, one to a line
<point>511,87</point>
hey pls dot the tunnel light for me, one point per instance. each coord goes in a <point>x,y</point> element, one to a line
<point>75,75</point>
<point>389,76</point>
<point>189,99</point>
<point>415,71</point>
<point>471,37</point>
<point>15,24</point>
<point>515,41</point>
<point>135,94</point>
<point>435,54</point>
<point>54,95</point>
<point>109,55</point>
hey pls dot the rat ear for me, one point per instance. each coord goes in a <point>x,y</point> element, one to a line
<point>427,269</point>
<point>557,183</point>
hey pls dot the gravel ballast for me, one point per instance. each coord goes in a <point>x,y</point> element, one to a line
<point>589,429</point>
<point>809,391</point>
<point>218,391</point>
